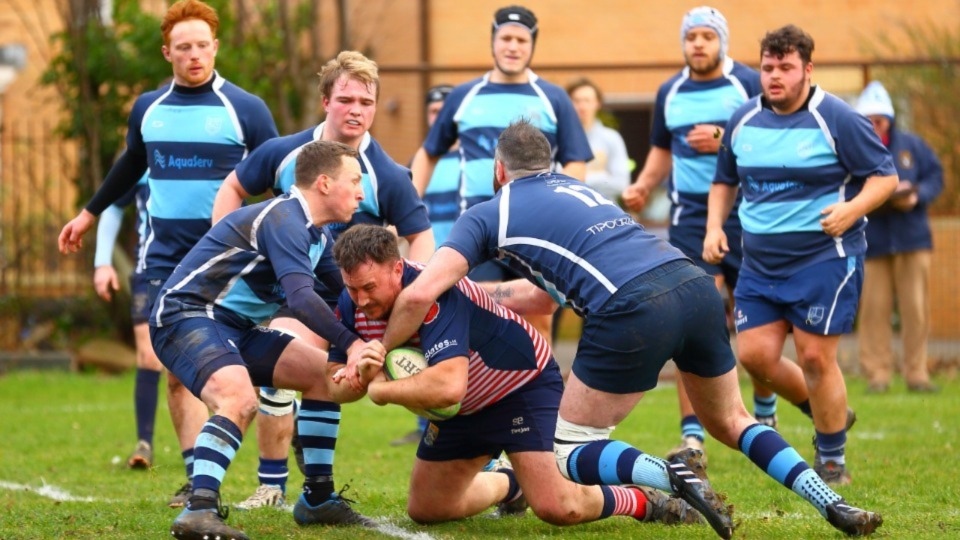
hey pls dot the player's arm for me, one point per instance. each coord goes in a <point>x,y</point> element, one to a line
<point>311,310</point>
<point>105,280</point>
<point>370,354</point>
<point>422,169</point>
<point>720,202</point>
<point>440,385</point>
<point>575,169</point>
<point>655,170</point>
<point>521,297</point>
<point>422,245</point>
<point>123,176</point>
<point>841,216</point>
<point>230,196</point>
<point>446,267</point>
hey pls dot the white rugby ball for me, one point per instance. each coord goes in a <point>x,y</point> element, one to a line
<point>404,362</point>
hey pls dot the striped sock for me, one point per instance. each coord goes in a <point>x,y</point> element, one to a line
<point>318,425</point>
<point>764,406</point>
<point>831,446</point>
<point>188,462</point>
<point>614,463</point>
<point>216,447</point>
<point>623,501</point>
<point>690,426</point>
<point>767,450</point>
<point>273,472</point>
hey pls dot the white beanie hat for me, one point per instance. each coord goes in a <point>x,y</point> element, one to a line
<point>709,17</point>
<point>874,100</point>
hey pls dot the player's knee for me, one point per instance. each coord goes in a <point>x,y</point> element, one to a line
<point>568,437</point>
<point>276,401</point>
<point>559,511</point>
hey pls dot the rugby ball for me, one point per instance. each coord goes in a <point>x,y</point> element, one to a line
<point>405,362</point>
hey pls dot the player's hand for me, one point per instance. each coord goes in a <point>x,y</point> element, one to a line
<point>71,237</point>
<point>105,281</point>
<point>375,387</point>
<point>838,217</point>
<point>705,138</point>
<point>361,350</point>
<point>905,198</point>
<point>635,196</point>
<point>715,246</point>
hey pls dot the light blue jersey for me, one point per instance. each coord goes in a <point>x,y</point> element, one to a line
<point>562,235</point>
<point>191,138</point>
<point>478,111</point>
<point>681,104</point>
<point>789,168</point>
<point>389,197</point>
<point>442,196</point>
<point>233,273</point>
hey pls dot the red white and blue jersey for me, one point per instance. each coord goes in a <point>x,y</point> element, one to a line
<point>563,236</point>
<point>504,351</point>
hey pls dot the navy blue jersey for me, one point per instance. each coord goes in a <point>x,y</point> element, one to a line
<point>562,235</point>
<point>389,197</point>
<point>190,138</point>
<point>233,273</point>
<point>503,350</point>
<point>789,168</point>
<point>478,111</point>
<point>681,104</point>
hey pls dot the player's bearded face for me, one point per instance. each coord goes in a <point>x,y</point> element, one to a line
<point>512,49</point>
<point>701,50</point>
<point>374,287</point>
<point>785,81</point>
<point>192,52</point>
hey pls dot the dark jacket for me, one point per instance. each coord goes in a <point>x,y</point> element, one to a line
<point>891,231</point>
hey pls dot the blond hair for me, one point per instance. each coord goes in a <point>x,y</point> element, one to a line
<point>352,64</point>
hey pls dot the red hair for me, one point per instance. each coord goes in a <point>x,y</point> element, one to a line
<point>185,10</point>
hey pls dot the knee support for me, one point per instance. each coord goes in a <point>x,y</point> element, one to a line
<point>569,437</point>
<point>277,401</point>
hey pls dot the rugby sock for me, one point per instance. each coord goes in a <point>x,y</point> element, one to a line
<point>188,462</point>
<point>831,446</point>
<point>767,450</point>
<point>273,472</point>
<point>145,402</point>
<point>690,426</point>
<point>615,462</point>
<point>764,407</point>
<point>318,424</point>
<point>514,490</point>
<point>623,501</point>
<point>216,447</point>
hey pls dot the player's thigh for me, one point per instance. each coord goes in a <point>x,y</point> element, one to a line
<point>192,349</point>
<point>146,358</point>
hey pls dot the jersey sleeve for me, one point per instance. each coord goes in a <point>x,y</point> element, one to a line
<point>256,172</point>
<point>660,136</point>
<point>285,242</point>
<point>344,313</point>
<point>471,236</point>
<point>444,131</point>
<point>258,124</point>
<point>572,143</point>
<point>400,204</point>
<point>858,147</point>
<point>726,172</point>
<point>445,333</point>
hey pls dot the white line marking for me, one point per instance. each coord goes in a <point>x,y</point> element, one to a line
<point>51,492</point>
<point>396,531</point>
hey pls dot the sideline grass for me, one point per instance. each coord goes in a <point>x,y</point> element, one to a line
<point>74,432</point>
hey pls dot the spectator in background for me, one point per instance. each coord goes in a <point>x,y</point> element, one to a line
<point>609,170</point>
<point>899,246</point>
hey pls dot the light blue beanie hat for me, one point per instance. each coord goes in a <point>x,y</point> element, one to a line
<point>711,18</point>
<point>874,100</point>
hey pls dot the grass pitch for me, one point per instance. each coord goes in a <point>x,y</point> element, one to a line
<point>64,439</point>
